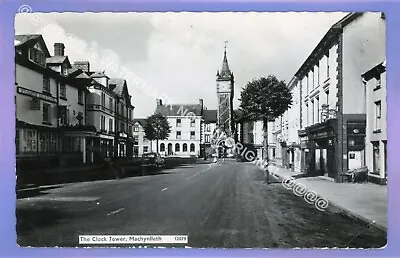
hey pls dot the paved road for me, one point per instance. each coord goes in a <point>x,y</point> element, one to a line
<point>219,205</point>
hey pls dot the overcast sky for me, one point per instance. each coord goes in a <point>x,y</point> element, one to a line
<point>177,55</point>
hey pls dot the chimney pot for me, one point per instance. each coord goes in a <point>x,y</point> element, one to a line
<point>201,102</point>
<point>159,102</point>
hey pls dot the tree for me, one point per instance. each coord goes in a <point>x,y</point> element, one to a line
<point>157,128</point>
<point>265,99</point>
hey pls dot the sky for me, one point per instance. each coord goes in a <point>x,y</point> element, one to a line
<point>175,56</point>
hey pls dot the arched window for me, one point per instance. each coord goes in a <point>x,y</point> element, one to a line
<point>162,147</point>
<point>192,148</point>
<point>177,147</point>
<point>184,148</point>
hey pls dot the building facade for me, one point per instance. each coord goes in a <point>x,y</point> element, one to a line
<point>141,144</point>
<point>333,126</point>
<point>376,128</point>
<point>50,105</point>
<point>185,137</point>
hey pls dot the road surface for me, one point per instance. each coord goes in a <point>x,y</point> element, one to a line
<point>224,205</point>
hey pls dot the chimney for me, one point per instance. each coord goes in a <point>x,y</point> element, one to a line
<point>201,102</point>
<point>59,49</point>
<point>159,102</point>
<point>83,65</point>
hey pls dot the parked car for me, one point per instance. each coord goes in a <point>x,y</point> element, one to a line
<point>152,159</point>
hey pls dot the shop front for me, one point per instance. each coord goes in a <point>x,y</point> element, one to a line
<point>319,154</point>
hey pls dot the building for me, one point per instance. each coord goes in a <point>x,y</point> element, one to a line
<point>376,128</point>
<point>185,121</point>
<point>141,144</point>
<point>208,129</point>
<point>50,105</point>
<point>333,125</point>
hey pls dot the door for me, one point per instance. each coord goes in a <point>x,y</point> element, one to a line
<point>169,149</point>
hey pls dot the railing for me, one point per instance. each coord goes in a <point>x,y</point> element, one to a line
<point>327,113</point>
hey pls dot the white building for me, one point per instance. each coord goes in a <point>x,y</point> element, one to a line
<point>50,104</point>
<point>185,137</point>
<point>141,144</point>
<point>376,131</point>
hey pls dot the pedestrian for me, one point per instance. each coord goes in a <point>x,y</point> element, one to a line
<point>266,172</point>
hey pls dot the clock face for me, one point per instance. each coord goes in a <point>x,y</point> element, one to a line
<point>224,86</point>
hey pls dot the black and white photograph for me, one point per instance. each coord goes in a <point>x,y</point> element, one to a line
<point>201,130</point>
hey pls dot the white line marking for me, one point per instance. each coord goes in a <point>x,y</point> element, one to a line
<point>113,212</point>
<point>164,189</point>
<point>198,173</point>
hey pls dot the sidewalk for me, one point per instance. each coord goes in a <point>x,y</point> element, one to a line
<point>365,201</point>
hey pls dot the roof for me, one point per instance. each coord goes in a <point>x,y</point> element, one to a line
<point>225,72</point>
<point>335,30</point>
<point>375,71</point>
<point>99,74</point>
<point>56,59</point>
<point>119,85</point>
<point>141,121</point>
<point>210,115</point>
<point>28,40</point>
<point>179,110</point>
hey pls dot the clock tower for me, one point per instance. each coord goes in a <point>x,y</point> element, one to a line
<point>225,92</point>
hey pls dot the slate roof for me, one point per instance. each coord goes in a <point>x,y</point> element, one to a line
<point>141,121</point>
<point>210,116</point>
<point>98,74</point>
<point>56,59</point>
<point>119,85</point>
<point>179,109</point>
<point>23,39</point>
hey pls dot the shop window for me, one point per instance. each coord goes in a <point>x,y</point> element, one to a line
<point>162,147</point>
<point>192,147</point>
<point>177,147</point>
<point>376,157</point>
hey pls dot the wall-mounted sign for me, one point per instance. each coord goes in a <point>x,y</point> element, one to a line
<point>36,94</point>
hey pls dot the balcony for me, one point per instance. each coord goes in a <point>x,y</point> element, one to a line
<point>327,114</point>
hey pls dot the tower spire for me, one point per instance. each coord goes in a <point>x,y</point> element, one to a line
<point>225,71</point>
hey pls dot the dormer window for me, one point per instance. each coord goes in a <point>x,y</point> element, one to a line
<point>37,56</point>
<point>64,69</point>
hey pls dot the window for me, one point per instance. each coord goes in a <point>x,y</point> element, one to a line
<point>103,99</point>
<point>136,128</point>
<point>317,109</point>
<point>208,128</point>
<point>207,138</point>
<point>327,98</point>
<point>102,122</point>
<point>177,147</point>
<point>178,122</point>
<point>192,135</point>
<point>80,97</point>
<point>64,69</point>
<point>307,84</point>
<point>162,147</point>
<point>63,91</point>
<point>376,158</point>
<point>110,125</point>
<point>313,80</point>
<point>192,147</point>
<point>46,85</point>
<point>307,116</point>
<point>145,149</point>
<point>37,56</point>
<point>385,153</point>
<point>178,135</point>
<point>312,113</point>
<point>192,123</point>
<point>111,104</point>
<point>46,113</point>
<point>136,139</point>
<point>122,128</point>
<point>378,82</point>
<point>30,137</point>
<point>327,64</point>
<point>378,110</point>
<point>316,70</point>
<point>184,148</point>
<point>273,153</point>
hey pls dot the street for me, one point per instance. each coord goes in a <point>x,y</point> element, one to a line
<point>222,205</point>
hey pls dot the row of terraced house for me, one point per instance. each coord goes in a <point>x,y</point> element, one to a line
<point>338,118</point>
<point>66,113</point>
